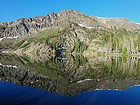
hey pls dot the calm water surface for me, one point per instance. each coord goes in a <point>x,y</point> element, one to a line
<point>72,80</point>
<point>11,94</point>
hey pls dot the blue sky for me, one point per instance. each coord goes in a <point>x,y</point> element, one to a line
<point>11,10</point>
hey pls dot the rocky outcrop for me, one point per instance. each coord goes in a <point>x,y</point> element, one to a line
<point>28,26</point>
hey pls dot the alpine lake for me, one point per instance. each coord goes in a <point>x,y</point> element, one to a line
<point>69,80</point>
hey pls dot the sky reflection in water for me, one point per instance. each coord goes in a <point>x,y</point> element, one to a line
<point>11,94</point>
<point>101,74</point>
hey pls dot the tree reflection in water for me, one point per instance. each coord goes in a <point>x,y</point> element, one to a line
<point>70,75</point>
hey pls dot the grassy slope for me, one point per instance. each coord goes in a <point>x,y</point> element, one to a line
<point>101,41</point>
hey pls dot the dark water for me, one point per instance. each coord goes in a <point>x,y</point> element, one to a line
<point>11,94</point>
<point>69,80</point>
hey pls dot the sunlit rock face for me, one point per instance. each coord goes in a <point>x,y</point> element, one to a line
<point>71,75</point>
<point>28,26</point>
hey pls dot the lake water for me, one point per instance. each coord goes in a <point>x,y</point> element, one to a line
<point>71,80</point>
<point>11,94</point>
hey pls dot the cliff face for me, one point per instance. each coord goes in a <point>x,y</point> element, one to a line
<point>28,26</point>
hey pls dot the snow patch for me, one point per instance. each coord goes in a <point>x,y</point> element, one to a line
<point>82,25</point>
<point>109,89</point>
<point>15,37</point>
<point>84,80</point>
<point>8,66</point>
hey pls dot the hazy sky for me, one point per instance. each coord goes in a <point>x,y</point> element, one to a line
<point>13,9</point>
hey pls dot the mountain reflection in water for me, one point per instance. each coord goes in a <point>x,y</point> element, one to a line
<point>71,75</point>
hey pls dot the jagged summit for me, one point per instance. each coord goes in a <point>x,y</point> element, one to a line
<point>27,26</point>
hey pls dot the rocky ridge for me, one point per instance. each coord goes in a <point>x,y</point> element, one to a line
<point>28,26</point>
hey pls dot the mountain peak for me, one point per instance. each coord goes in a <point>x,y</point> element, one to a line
<point>33,25</point>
